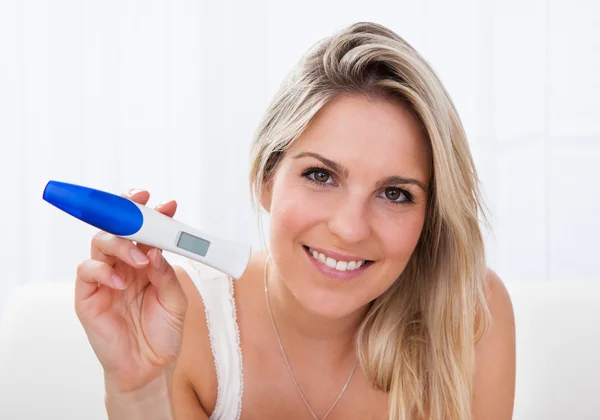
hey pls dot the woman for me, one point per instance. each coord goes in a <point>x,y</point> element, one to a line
<point>372,299</point>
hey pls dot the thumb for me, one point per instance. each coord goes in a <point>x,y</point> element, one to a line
<point>162,275</point>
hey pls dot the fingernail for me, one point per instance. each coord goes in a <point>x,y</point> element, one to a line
<point>164,202</point>
<point>158,260</point>
<point>119,282</point>
<point>134,191</point>
<point>138,256</point>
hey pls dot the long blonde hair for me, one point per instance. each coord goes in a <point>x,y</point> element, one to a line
<point>417,340</point>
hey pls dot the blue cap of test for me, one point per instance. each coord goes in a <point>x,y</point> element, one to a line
<point>108,212</point>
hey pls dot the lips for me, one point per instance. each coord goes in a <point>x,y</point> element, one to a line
<point>336,268</point>
<point>340,265</point>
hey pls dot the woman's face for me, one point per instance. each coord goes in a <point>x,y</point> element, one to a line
<point>352,192</point>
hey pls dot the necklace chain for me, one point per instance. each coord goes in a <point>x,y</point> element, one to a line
<point>288,364</point>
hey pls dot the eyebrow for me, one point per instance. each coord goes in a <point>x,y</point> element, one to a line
<point>340,169</point>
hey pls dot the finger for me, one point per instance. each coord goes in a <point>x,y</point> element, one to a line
<point>162,275</point>
<point>90,273</point>
<point>109,248</point>
<point>139,196</point>
<point>167,208</point>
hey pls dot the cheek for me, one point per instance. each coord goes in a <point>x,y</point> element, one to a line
<point>292,211</point>
<point>398,242</point>
<point>400,239</point>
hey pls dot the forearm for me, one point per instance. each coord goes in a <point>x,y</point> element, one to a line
<point>153,402</point>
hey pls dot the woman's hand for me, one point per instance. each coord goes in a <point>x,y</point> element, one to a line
<point>132,307</point>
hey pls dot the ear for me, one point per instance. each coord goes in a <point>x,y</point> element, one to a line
<point>266,196</point>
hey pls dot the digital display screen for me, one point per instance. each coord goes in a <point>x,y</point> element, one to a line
<point>193,244</point>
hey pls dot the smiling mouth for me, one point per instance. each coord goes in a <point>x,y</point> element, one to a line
<point>339,265</point>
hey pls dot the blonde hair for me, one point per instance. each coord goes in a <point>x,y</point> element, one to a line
<point>417,340</point>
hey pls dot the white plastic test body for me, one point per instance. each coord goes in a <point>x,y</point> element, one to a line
<point>127,219</point>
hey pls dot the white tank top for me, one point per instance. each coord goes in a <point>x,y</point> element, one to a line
<point>217,293</point>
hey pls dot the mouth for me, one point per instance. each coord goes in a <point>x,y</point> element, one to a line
<point>339,267</point>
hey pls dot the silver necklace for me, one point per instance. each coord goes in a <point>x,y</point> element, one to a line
<point>288,364</point>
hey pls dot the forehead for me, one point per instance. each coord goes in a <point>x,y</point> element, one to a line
<point>369,132</point>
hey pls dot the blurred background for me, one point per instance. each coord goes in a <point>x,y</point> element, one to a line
<point>166,95</point>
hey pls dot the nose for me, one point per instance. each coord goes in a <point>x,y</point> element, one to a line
<point>349,220</point>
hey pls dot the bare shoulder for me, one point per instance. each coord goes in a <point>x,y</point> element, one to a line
<point>497,292</point>
<point>500,306</point>
<point>195,368</point>
<point>494,388</point>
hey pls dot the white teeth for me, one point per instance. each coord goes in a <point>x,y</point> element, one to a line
<point>341,265</point>
<point>330,262</point>
<point>338,265</point>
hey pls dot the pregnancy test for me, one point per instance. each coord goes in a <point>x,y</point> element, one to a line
<point>136,222</point>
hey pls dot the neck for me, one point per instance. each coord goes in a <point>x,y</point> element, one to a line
<point>335,336</point>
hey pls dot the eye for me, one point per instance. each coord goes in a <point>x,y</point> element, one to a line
<point>397,195</point>
<point>319,176</point>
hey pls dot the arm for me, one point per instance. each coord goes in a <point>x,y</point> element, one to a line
<point>168,397</point>
<point>494,389</point>
<point>171,396</point>
<point>185,401</point>
<point>151,402</point>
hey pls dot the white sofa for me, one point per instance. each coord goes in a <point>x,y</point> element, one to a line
<point>48,370</point>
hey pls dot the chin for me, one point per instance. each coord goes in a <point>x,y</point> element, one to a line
<point>327,293</point>
<point>327,305</point>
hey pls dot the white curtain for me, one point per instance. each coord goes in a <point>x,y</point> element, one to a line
<point>166,96</point>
